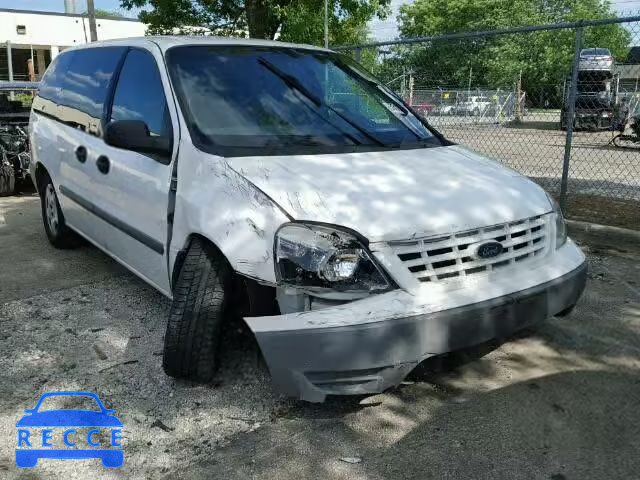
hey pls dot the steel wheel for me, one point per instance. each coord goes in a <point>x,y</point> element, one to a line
<point>51,208</point>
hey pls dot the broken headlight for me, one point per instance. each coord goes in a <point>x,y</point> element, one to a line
<point>561,226</point>
<point>318,257</point>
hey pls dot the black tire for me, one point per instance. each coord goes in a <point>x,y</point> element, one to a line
<point>7,179</point>
<point>567,311</point>
<point>59,235</point>
<point>197,314</point>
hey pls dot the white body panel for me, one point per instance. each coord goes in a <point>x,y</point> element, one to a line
<point>239,203</point>
<point>216,202</point>
<point>397,194</point>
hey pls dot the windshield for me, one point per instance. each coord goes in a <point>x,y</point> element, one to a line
<point>600,52</point>
<point>243,100</point>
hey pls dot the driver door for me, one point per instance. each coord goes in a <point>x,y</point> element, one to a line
<point>131,189</point>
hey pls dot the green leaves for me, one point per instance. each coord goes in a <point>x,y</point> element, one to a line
<point>300,21</point>
<point>543,58</point>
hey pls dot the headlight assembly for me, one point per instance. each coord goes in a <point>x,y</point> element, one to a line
<point>318,257</point>
<point>561,226</point>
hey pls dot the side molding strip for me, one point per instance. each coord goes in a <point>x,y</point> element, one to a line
<point>141,237</point>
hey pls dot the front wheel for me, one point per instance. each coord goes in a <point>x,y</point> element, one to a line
<point>197,314</point>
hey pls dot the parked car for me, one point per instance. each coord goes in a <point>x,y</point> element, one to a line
<point>474,105</point>
<point>230,175</point>
<point>425,108</point>
<point>446,109</point>
<point>15,106</point>
<point>595,60</point>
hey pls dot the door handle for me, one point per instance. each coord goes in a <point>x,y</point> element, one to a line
<point>103,164</point>
<point>81,154</point>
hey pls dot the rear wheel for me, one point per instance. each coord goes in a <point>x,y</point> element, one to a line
<point>198,312</point>
<point>59,235</point>
<point>7,178</point>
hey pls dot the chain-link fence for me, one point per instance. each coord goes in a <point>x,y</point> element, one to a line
<point>555,102</point>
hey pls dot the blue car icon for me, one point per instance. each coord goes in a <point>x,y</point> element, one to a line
<point>110,457</point>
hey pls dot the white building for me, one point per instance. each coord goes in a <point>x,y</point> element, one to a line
<point>40,36</point>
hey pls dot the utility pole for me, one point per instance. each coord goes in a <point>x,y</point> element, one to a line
<point>326,23</point>
<point>91,13</point>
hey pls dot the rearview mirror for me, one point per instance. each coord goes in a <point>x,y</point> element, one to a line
<point>134,135</point>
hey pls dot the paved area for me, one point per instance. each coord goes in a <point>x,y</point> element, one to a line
<point>561,401</point>
<point>536,149</point>
<point>603,181</point>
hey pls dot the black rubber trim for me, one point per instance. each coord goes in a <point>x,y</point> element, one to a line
<point>141,237</point>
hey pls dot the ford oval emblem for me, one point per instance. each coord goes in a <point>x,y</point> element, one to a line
<point>489,250</point>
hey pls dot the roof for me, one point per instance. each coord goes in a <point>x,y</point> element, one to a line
<point>18,85</point>
<point>168,41</point>
<point>63,14</point>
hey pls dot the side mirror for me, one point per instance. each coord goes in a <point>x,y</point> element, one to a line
<point>134,135</point>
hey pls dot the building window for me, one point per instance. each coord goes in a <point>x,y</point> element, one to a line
<point>21,29</point>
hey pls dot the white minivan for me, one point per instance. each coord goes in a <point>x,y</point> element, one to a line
<point>285,183</point>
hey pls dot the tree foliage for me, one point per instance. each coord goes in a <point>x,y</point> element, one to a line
<point>299,21</point>
<point>101,13</point>
<point>542,58</point>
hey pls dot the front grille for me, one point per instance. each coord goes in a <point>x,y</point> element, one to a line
<point>447,256</point>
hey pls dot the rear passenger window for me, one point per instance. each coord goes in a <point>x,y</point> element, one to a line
<point>76,86</point>
<point>139,94</point>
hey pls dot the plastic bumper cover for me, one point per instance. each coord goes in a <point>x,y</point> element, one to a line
<point>312,362</point>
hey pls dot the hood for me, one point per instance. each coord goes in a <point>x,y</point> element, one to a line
<point>397,194</point>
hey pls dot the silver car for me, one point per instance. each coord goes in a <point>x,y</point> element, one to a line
<point>596,59</point>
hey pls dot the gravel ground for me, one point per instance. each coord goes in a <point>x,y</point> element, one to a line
<point>558,402</point>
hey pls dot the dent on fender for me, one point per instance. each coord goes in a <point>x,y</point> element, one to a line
<point>228,210</point>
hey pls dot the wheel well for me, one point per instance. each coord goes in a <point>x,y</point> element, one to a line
<point>41,174</point>
<point>252,298</point>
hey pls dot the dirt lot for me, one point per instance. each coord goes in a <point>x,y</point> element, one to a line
<point>558,402</point>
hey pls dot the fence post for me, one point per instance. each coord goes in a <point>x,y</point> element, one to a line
<point>9,61</point>
<point>358,55</point>
<point>570,116</point>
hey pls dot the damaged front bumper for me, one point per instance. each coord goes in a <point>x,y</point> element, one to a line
<point>370,345</point>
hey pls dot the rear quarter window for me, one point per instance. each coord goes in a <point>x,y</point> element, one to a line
<point>76,85</point>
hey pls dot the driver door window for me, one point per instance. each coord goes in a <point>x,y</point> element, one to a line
<point>139,94</point>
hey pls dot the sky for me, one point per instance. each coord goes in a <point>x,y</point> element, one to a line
<point>381,30</point>
<point>58,5</point>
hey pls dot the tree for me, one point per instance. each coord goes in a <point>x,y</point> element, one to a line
<point>100,13</point>
<point>542,58</point>
<point>295,20</point>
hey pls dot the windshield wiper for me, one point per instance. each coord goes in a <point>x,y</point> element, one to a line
<point>290,80</point>
<point>404,111</point>
<point>293,82</point>
<point>372,83</point>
